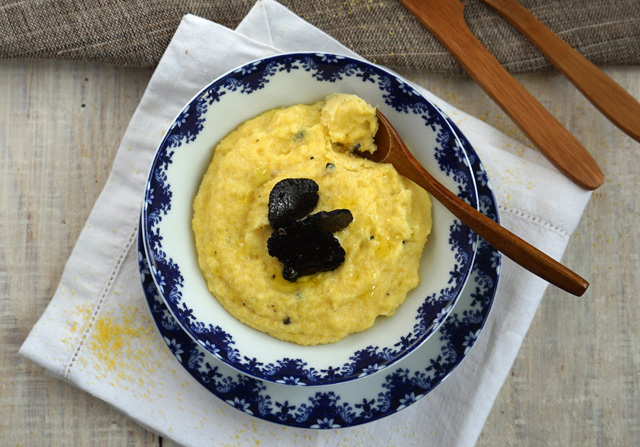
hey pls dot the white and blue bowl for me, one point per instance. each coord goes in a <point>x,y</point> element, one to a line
<point>183,156</point>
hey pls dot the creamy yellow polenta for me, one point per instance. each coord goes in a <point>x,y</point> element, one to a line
<point>383,243</point>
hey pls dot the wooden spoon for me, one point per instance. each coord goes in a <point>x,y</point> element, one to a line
<point>391,149</point>
<point>445,20</point>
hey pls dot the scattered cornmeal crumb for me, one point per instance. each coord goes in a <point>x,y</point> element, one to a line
<point>120,344</point>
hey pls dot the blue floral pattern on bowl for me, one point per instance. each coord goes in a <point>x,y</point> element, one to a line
<point>358,402</point>
<point>161,198</point>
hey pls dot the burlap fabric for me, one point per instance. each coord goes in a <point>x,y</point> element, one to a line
<point>136,32</point>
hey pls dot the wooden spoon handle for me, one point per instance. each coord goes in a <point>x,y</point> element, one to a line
<point>499,237</point>
<point>506,242</point>
<point>612,100</point>
<point>444,19</point>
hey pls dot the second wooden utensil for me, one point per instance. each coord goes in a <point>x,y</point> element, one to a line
<point>608,97</point>
<point>445,20</point>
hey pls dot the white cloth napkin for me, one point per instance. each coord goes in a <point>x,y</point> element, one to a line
<point>97,331</point>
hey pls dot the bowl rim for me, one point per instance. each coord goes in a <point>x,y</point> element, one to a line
<point>292,368</point>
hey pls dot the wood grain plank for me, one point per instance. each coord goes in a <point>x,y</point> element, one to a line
<point>60,125</point>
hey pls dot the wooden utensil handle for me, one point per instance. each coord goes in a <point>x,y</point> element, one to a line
<point>392,149</point>
<point>501,239</point>
<point>445,20</point>
<point>606,95</point>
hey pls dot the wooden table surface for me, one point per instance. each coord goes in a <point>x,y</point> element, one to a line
<point>576,379</point>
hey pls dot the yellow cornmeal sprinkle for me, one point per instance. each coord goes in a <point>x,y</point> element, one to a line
<point>107,341</point>
<point>118,343</point>
<point>81,318</point>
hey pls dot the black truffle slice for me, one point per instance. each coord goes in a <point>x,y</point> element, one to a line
<point>305,250</point>
<point>291,199</point>
<point>330,221</point>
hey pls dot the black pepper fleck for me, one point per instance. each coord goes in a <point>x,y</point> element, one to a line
<point>299,136</point>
